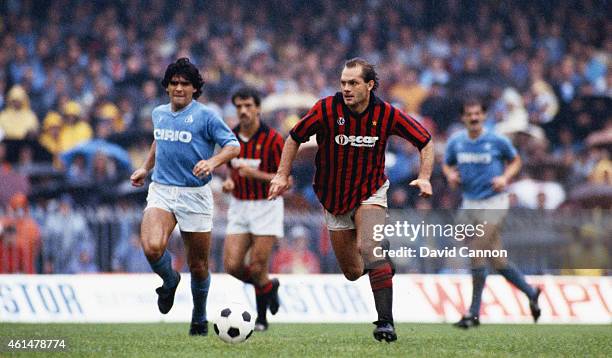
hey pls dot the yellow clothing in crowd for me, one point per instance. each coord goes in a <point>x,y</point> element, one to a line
<point>18,122</point>
<point>411,96</point>
<point>602,173</point>
<point>72,135</point>
<point>76,133</point>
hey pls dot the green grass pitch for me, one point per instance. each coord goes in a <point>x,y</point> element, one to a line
<point>319,340</point>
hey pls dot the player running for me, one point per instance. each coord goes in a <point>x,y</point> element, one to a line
<point>181,155</point>
<point>352,129</point>
<point>482,163</point>
<point>254,223</point>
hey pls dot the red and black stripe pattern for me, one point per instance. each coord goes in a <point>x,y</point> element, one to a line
<point>263,152</point>
<point>350,161</point>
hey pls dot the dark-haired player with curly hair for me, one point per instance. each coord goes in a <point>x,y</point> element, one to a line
<point>182,159</point>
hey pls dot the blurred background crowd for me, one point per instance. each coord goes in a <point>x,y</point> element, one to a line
<point>78,81</point>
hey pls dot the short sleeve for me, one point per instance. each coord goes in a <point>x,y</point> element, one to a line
<point>450,154</point>
<point>507,149</point>
<point>309,125</point>
<point>410,129</point>
<point>220,132</point>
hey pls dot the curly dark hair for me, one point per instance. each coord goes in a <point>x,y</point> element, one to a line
<point>368,70</point>
<point>246,93</point>
<point>473,101</point>
<point>183,67</point>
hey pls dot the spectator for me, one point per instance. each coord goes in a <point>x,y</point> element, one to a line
<point>17,120</point>
<point>50,138</point>
<point>64,230</point>
<point>129,257</point>
<point>602,172</point>
<point>109,112</point>
<point>20,238</point>
<point>408,91</point>
<point>76,130</point>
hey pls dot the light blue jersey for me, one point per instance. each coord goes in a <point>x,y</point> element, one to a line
<point>478,161</point>
<point>184,138</point>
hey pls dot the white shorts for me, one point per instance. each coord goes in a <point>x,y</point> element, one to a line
<point>492,209</point>
<point>347,221</point>
<point>192,206</point>
<point>257,217</point>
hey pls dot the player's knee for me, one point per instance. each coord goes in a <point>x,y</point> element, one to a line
<point>199,270</point>
<point>353,274</point>
<point>153,251</point>
<point>232,267</point>
<point>257,268</point>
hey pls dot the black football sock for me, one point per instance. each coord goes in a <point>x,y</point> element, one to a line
<point>261,300</point>
<point>381,281</point>
<point>479,276</point>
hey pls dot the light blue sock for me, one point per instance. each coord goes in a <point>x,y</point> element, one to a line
<point>199,292</point>
<point>163,267</point>
<point>479,276</point>
<point>515,277</point>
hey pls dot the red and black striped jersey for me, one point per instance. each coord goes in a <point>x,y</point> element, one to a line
<point>350,161</point>
<point>262,151</point>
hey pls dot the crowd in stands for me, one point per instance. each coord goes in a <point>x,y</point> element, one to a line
<point>77,88</point>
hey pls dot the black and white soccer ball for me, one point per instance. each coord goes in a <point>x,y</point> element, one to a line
<point>234,323</point>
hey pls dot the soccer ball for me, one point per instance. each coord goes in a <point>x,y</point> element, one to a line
<point>234,323</point>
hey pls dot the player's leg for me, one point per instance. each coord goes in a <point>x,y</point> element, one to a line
<point>156,228</point>
<point>515,277</point>
<point>343,237</point>
<point>194,216</point>
<point>264,219</point>
<point>197,245</point>
<point>235,249</point>
<point>479,272</point>
<point>380,269</point>
<point>266,290</point>
<point>344,243</point>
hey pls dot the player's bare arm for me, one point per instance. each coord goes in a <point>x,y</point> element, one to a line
<point>281,181</point>
<point>512,169</point>
<point>426,167</point>
<point>138,177</point>
<point>452,175</point>
<point>205,167</point>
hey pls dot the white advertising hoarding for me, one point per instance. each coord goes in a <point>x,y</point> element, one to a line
<point>304,298</point>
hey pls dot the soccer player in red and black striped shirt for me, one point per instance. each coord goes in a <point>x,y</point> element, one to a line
<point>253,222</point>
<point>352,129</point>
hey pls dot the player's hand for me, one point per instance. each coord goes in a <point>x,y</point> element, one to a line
<point>246,171</point>
<point>138,177</point>
<point>203,168</point>
<point>424,186</point>
<point>278,185</point>
<point>228,185</point>
<point>499,183</point>
<point>453,178</point>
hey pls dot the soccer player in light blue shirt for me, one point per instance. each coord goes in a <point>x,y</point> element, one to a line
<point>482,163</point>
<point>182,158</point>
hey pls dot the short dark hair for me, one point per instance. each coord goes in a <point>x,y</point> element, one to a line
<point>368,70</point>
<point>246,93</point>
<point>473,101</point>
<point>183,67</point>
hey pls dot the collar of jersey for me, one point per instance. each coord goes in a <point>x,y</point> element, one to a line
<point>261,128</point>
<point>174,114</point>
<point>373,101</point>
<point>467,135</point>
